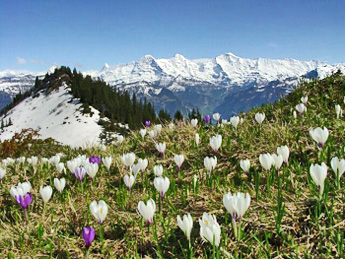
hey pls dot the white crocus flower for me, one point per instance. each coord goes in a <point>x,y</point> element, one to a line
<point>129,181</point>
<point>162,185</point>
<point>135,169</point>
<point>260,117</point>
<point>301,108</point>
<point>107,162</point>
<point>147,210</point>
<point>142,133</point>
<point>143,164</point>
<point>120,139</point>
<point>235,120</point>
<point>245,165</point>
<point>72,165</point>
<point>44,160</point>
<point>338,110</point>
<point>59,184</point>
<point>195,181</point>
<point>319,135</point>
<point>128,159</point>
<point>2,173</point>
<point>197,139</point>
<point>236,204</point>
<point>304,99</point>
<point>60,167</point>
<point>225,122</point>
<point>209,229</point>
<point>46,193</point>
<point>338,166</point>
<point>277,161</point>
<point>216,142</point>
<point>152,133</point>
<point>21,189</point>
<point>179,160</point>
<point>284,152</point>
<point>266,161</point>
<point>99,210</point>
<point>294,114</point>
<point>158,129</point>
<point>171,126</point>
<point>216,116</point>
<point>161,148</point>
<point>318,173</point>
<point>54,160</point>
<point>210,163</point>
<point>21,160</point>
<point>186,224</point>
<point>158,170</point>
<point>33,160</point>
<point>194,122</point>
<point>91,170</point>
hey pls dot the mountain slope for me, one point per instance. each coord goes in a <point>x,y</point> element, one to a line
<point>54,116</point>
<point>13,82</point>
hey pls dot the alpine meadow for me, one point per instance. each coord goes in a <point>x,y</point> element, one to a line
<point>265,184</point>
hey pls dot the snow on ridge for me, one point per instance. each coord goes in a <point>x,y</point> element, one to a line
<point>18,73</point>
<point>23,73</point>
<point>225,69</point>
<point>54,116</point>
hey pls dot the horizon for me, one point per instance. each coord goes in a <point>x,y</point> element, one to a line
<point>86,35</point>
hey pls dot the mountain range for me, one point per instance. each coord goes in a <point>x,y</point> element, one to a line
<point>226,84</point>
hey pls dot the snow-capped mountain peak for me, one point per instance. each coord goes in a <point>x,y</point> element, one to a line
<point>52,69</point>
<point>105,67</point>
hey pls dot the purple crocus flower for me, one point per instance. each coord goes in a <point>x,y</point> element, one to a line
<point>89,236</point>
<point>24,201</point>
<point>95,159</point>
<point>207,119</point>
<point>80,172</point>
<point>147,123</point>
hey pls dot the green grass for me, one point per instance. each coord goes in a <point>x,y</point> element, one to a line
<point>285,219</point>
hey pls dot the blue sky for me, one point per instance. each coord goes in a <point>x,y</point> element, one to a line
<point>86,34</point>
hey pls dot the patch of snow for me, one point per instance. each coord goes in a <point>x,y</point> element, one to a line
<point>56,117</point>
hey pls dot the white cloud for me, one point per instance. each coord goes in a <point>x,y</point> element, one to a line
<point>21,61</point>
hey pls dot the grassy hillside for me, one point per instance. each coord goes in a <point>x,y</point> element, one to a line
<point>286,218</point>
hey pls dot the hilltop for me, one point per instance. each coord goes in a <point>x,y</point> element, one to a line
<point>65,101</point>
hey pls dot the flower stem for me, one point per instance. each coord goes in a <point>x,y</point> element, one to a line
<point>86,253</point>
<point>234,227</point>
<point>101,235</point>
<point>239,231</point>
<point>26,216</point>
